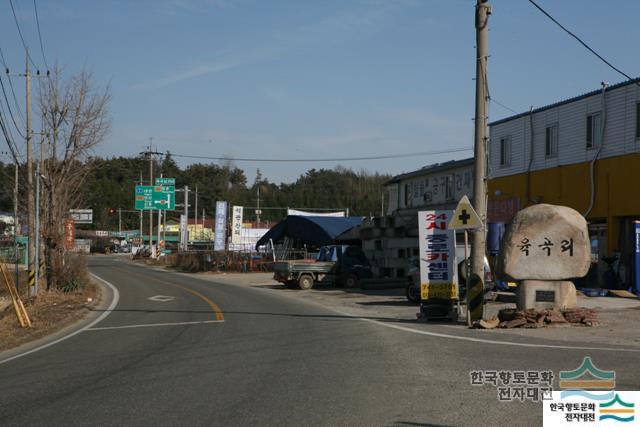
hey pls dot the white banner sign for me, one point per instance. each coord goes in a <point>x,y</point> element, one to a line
<point>184,237</point>
<point>236,224</point>
<point>220,237</point>
<point>437,255</point>
<point>305,213</point>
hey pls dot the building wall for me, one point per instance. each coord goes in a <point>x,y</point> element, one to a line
<point>435,188</point>
<point>571,118</point>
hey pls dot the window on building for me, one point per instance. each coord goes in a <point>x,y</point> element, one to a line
<point>551,140</point>
<point>593,130</point>
<point>407,194</point>
<point>505,151</point>
<point>449,187</point>
<point>638,120</point>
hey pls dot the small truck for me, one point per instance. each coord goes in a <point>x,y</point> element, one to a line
<point>339,265</point>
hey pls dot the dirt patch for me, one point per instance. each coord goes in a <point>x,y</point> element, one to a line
<point>49,312</point>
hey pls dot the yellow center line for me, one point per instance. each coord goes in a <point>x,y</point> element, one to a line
<point>214,307</point>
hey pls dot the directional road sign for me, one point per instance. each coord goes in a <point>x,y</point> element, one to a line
<point>465,217</point>
<point>166,181</point>
<point>155,197</point>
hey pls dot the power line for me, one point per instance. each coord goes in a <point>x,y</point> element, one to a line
<point>4,93</point>
<point>495,101</point>
<point>44,58</point>
<point>580,40</point>
<point>336,159</point>
<point>13,92</point>
<point>24,44</point>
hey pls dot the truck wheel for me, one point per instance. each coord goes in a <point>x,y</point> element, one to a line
<point>305,282</point>
<point>351,281</point>
<point>413,293</point>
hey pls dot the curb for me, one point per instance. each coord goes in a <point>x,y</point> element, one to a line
<point>108,300</point>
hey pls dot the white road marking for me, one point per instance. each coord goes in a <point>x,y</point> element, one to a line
<point>148,325</point>
<point>486,341</point>
<point>114,303</point>
<point>161,298</point>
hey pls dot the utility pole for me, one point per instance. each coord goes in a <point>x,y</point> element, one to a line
<point>37,233</point>
<point>151,211</point>
<point>120,221</point>
<point>186,217</point>
<point>30,193</point>
<point>149,153</point>
<point>16,223</point>
<point>258,209</point>
<point>483,10</point>
<point>196,215</point>
<point>159,226</point>
<point>141,219</point>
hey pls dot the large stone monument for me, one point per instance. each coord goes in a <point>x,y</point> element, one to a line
<point>545,246</point>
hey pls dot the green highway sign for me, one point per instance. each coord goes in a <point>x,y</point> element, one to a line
<point>166,181</point>
<point>155,197</point>
<point>144,197</point>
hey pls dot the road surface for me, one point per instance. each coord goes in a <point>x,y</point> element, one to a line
<point>178,350</point>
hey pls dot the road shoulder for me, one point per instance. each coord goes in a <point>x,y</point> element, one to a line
<point>108,296</point>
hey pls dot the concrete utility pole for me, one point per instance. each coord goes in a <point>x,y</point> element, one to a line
<point>159,226</point>
<point>141,219</point>
<point>151,211</point>
<point>483,10</point>
<point>30,193</point>
<point>186,216</point>
<point>196,214</point>
<point>258,209</point>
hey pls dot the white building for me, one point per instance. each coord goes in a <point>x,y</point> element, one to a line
<point>390,241</point>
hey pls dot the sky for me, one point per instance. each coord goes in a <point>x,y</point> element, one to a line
<point>308,79</point>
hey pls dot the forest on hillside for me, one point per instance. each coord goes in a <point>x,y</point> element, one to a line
<point>111,183</point>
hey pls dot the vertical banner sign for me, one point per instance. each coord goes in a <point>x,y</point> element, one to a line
<point>637,256</point>
<point>437,255</point>
<point>184,237</point>
<point>69,234</point>
<point>220,241</point>
<point>236,225</point>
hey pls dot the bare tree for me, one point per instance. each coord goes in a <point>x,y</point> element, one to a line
<point>76,119</point>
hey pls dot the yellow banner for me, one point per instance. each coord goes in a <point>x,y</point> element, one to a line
<point>438,290</point>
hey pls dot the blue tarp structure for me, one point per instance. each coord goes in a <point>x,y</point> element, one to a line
<point>310,230</point>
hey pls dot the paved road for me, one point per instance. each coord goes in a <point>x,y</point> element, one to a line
<point>219,354</point>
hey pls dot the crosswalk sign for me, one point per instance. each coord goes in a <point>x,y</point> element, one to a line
<point>465,217</point>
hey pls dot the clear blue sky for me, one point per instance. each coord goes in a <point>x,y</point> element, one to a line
<point>308,78</point>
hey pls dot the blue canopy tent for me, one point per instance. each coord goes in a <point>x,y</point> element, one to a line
<point>310,230</point>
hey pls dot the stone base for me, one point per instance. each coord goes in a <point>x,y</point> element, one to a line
<point>545,294</point>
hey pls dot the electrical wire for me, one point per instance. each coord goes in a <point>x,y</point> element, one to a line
<point>580,41</point>
<point>13,92</point>
<point>24,44</point>
<point>4,93</point>
<point>336,159</point>
<point>44,58</point>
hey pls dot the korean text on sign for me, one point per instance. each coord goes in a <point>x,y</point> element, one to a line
<point>437,255</point>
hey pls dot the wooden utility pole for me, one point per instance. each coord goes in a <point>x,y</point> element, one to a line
<point>483,10</point>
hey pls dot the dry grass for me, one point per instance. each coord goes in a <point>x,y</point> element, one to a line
<point>49,312</point>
